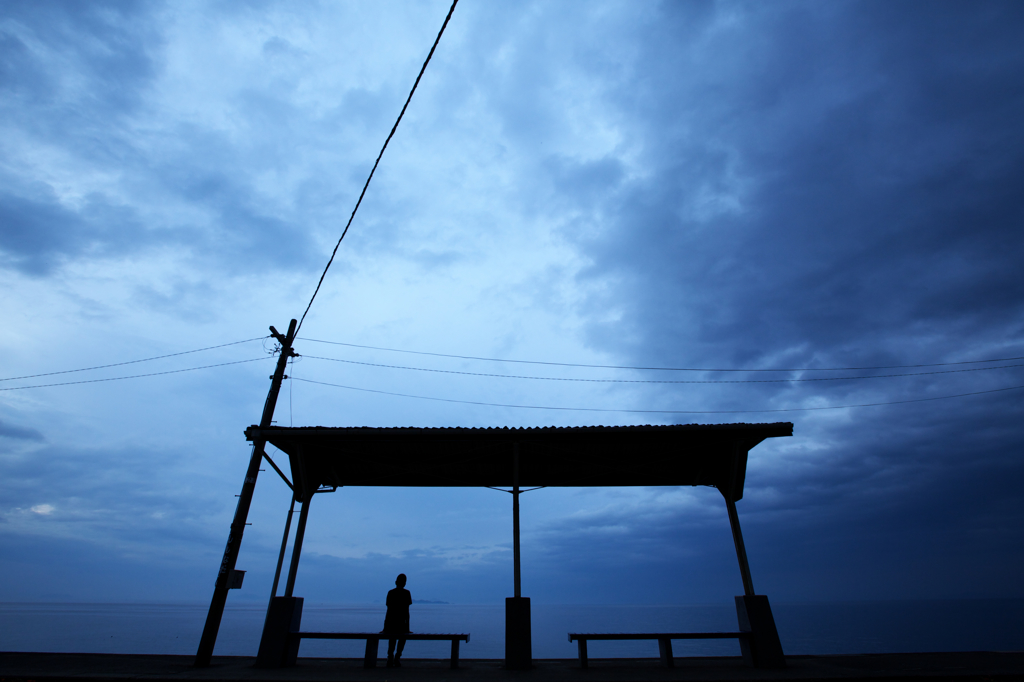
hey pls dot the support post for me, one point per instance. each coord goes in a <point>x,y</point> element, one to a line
<point>741,551</point>
<point>518,637</point>
<point>454,660</point>
<point>300,532</point>
<point>665,651</point>
<point>370,652</point>
<point>279,645</point>
<point>284,546</point>
<point>284,616</point>
<point>234,543</point>
<point>517,571</point>
<point>762,649</point>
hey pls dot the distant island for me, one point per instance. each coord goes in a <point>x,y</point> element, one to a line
<point>428,601</point>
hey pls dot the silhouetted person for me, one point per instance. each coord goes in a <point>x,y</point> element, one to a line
<point>396,621</point>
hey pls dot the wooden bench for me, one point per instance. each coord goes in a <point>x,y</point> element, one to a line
<point>373,641</point>
<point>664,640</point>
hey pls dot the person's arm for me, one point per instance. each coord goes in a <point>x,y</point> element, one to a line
<point>408,603</point>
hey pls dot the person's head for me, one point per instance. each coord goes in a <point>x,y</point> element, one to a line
<point>400,580</point>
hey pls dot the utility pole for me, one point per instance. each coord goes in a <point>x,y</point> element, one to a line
<point>227,564</point>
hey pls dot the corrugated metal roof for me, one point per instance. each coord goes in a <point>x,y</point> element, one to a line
<point>653,427</point>
<point>639,455</point>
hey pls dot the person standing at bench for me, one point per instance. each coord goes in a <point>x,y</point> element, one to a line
<point>396,621</point>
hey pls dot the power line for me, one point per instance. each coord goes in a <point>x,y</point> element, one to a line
<point>129,362</point>
<point>601,409</point>
<point>666,369</point>
<point>134,376</point>
<point>372,170</point>
<point>664,381</point>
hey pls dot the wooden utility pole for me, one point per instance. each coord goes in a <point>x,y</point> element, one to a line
<point>227,564</point>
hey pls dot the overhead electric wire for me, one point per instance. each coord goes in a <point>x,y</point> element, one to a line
<point>130,362</point>
<point>664,381</point>
<point>665,369</point>
<point>633,411</point>
<point>372,170</point>
<point>135,376</point>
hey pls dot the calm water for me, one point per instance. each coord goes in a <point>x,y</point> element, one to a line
<point>860,627</point>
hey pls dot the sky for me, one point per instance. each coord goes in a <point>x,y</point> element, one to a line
<point>785,189</point>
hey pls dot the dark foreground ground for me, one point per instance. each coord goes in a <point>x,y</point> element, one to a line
<point>42,667</point>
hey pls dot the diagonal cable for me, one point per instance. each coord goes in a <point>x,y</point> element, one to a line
<point>603,409</point>
<point>372,170</point>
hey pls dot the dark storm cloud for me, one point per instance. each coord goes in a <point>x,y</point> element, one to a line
<point>920,502</point>
<point>76,78</point>
<point>926,506</point>
<point>791,185</point>
<point>38,233</point>
<point>654,552</point>
<point>109,44</point>
<point>874,157</point>
<point>108,47</point>
<point>99,495</point>
<point>246,231</point>
<point>823,185</point>
<point>19,433</point>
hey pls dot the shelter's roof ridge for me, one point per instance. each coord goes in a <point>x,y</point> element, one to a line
<point>638,427</point>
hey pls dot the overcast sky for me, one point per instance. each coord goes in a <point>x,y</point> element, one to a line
<point>760,186</point>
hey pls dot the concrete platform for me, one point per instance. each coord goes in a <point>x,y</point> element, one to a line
<point>38,667</point>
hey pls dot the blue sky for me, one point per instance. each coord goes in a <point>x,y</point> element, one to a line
<point>701,184</point>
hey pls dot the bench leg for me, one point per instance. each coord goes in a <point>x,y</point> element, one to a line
<point>582,644</point>
<point>370,657</point>
<point>665,648</point>
<point>455,654</point>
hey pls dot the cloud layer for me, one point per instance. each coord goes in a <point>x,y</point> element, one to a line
<point>703,185</point>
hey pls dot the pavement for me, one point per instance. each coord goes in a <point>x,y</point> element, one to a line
<point>916,667</point>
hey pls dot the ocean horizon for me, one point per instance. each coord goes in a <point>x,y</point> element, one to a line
<point>804,628</point>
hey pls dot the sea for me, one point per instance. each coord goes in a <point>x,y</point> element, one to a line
<point>818,628</point>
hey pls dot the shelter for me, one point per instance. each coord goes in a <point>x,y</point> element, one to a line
<point>322,459</point>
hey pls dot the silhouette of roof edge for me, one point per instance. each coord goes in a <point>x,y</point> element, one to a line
<point>674,454</point>
<point>641,427</point>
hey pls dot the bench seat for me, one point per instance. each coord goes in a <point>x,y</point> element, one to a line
<point>664,640</point>
<point>373,641</point>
